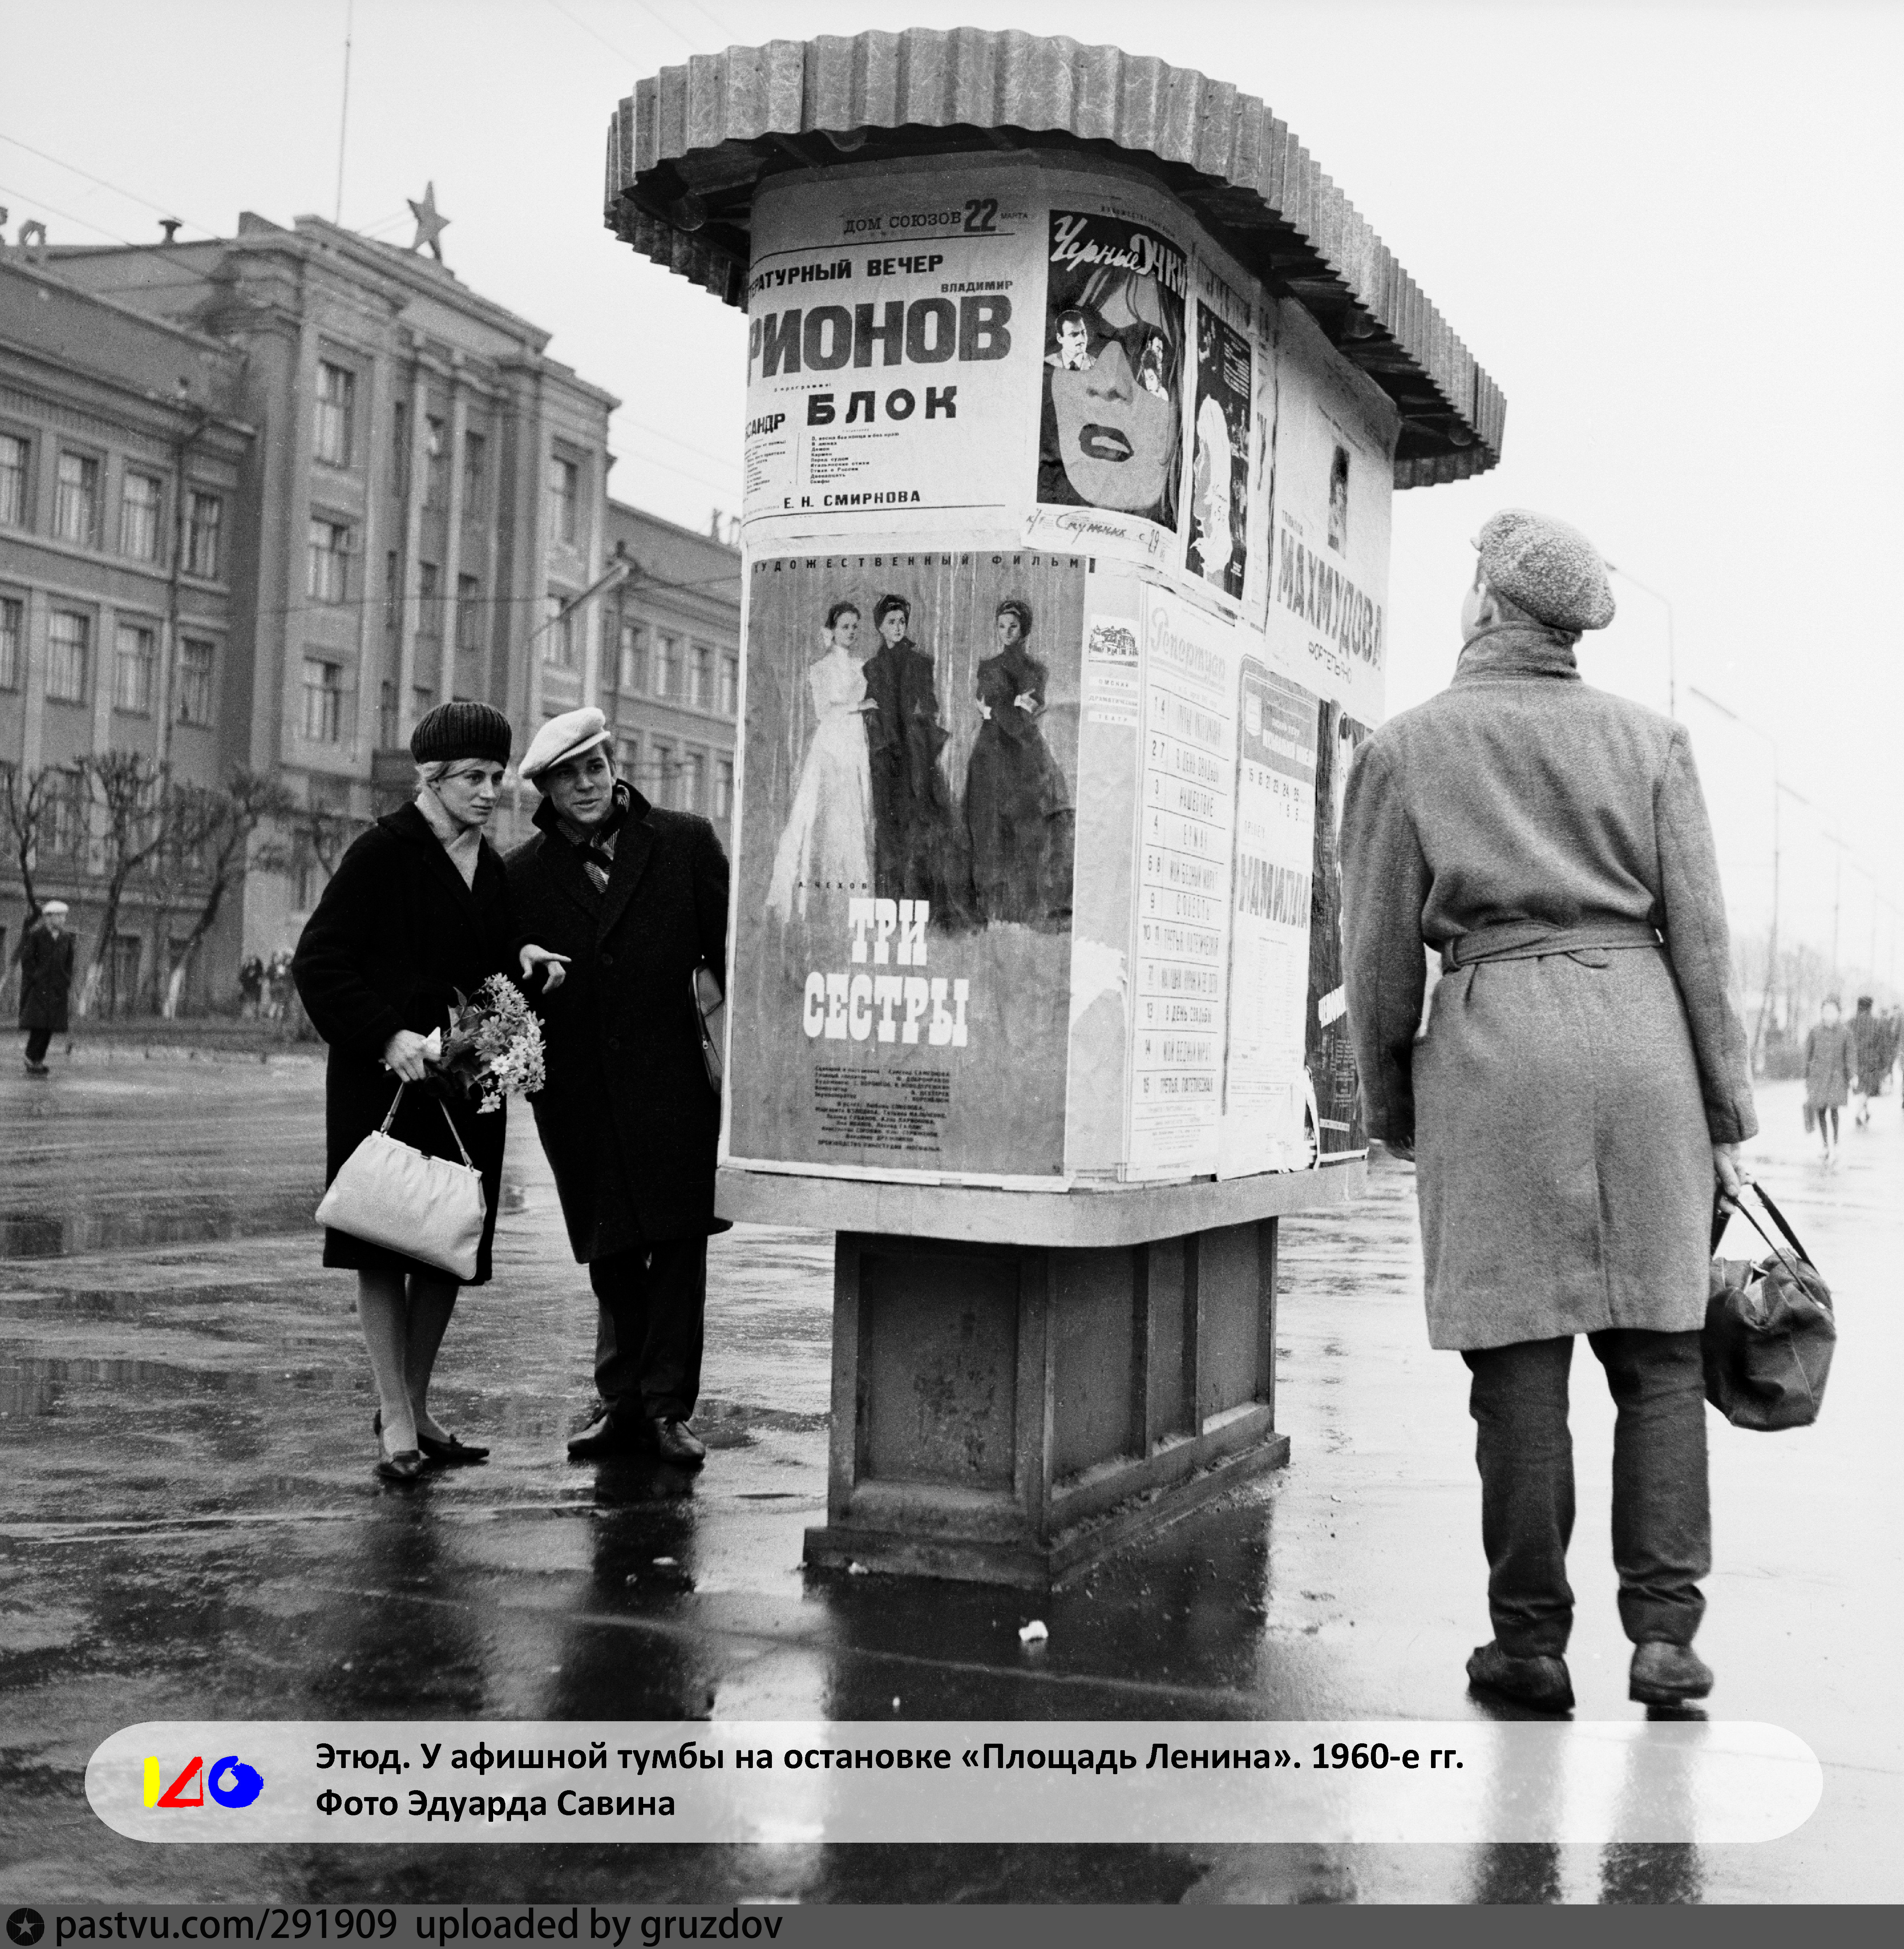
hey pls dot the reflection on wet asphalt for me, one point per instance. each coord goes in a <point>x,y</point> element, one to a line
<point>191,1530</point>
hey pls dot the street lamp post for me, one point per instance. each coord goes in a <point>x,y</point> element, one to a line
<point>1779,789</point>
<point>1671,670</point>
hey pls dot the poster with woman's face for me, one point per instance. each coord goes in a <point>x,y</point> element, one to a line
<point>1111,432</point>
<point>1219,466</point>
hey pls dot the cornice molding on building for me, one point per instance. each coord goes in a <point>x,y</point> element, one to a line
<point>100,562</point>
<point>50,385</point>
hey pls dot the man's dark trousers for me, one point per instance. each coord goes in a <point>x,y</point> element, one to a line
<point>648,1327</point>
<point>37,1043</point>
<point>1662,1515</point>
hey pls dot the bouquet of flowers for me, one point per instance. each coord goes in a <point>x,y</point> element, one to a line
<point>494,1049</point>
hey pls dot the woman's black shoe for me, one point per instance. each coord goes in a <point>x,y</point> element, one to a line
<point>406,1466</point>
<point>451,1453</point>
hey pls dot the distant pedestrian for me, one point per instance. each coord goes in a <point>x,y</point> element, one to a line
<point>251,986</point>
<point>1583,1086</point>
<point>1870,1047</point>
<point>46,981</point>
<point>278,985</point>
<point>1831,1060</point>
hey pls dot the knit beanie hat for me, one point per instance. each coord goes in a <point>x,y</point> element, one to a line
<point>1551,569</point>
<point>464,729</point>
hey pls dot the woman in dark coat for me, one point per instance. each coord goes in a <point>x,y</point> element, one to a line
<point>418,908</point>
<point>46,981</point>
<point>1017,807</point>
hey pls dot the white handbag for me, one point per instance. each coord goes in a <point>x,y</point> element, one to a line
<point>426,1207</point>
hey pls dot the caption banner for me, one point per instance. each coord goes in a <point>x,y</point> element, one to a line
<point>780,1781</point>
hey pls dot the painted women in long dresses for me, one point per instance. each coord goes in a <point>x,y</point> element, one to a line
<point>1018,809</point>
<point>826,846</point>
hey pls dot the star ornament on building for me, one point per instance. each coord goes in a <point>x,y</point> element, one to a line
<point>430,226</point>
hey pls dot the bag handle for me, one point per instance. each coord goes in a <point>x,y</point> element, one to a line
<point>390,1118</point>
<point>1723,1211</point>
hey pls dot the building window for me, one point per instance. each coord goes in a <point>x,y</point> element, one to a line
<point>558,640</point>
<point>336,388</point>
<point>76,505</point>
<point>628,754</point>
<point>693,781</point>
<point>400,448</point>
<point>634,654</point>
<point>423,701</point>
<point>16,455</point>
<point>730,684</point>
<point>723,789</point>
<point>564,501</point>
<point>195,681</point>
<point>139,516</point>
<point>13,630</point>
<point>386,714</point>
<point>660,765</point>
<point>430,616</point>
<point>667,666</point>
<point>475,479</point>
<point>328,579</point>
<point>323,701</point>
<point>436,448</point>
<point>207,518</point>
<point>69,639</point>
<point>66,819</point>
<point>391,593</point>
<point>135,649</point>
<point>701,692</point>
<point>469,613</point>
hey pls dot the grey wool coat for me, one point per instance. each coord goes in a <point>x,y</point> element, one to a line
<point>1582,1055</point>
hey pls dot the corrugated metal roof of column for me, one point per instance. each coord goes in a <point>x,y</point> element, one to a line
<point>687,148</point>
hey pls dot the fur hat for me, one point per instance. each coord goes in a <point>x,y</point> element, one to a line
<point>464,729</point>
<point>1548,569</point>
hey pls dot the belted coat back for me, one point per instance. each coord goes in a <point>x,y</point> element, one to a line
<point>627,1119</point>
<point>1563,1106</point>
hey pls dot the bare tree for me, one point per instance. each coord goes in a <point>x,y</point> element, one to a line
<point>25,805</point>
<point>131,793</point>
<point>209,848</point>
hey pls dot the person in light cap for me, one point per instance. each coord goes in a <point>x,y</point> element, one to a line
<point>636,897</point>
<point>46,982</point>
<point>1581,1090</point>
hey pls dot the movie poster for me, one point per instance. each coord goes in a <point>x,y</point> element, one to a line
<point>1219,465</point>
<point>1110,429</point>
<point>903,901</point>
<point>1327,621</point>
<point>1269,1109</point>
<point>1330,1054</point>
<point>893,346</point>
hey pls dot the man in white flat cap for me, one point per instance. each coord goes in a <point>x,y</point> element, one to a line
<point>1581,1092</point>
<point>636,897</point>
<point>46,982</point>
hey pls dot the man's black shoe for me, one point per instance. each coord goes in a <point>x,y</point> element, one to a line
<point>676,1441</point>
<point>1667,1675</point>
<point>609,1434</point>
<point>1542,1683</point>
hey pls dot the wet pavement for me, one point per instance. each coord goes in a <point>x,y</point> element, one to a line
<point>190,1529</point>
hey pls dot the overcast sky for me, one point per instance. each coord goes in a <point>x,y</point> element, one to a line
<point>1669,232</point>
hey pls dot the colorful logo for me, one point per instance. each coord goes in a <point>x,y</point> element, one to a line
<point>231,1783</point>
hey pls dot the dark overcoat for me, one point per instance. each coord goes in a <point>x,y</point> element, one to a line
<point>45,978</point>
<point>1564,1105</point>
<point>627,1119</point>
<point>395,935</point>
<point>1829,1059</point>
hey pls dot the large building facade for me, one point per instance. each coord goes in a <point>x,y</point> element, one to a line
<point>411,505</point>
